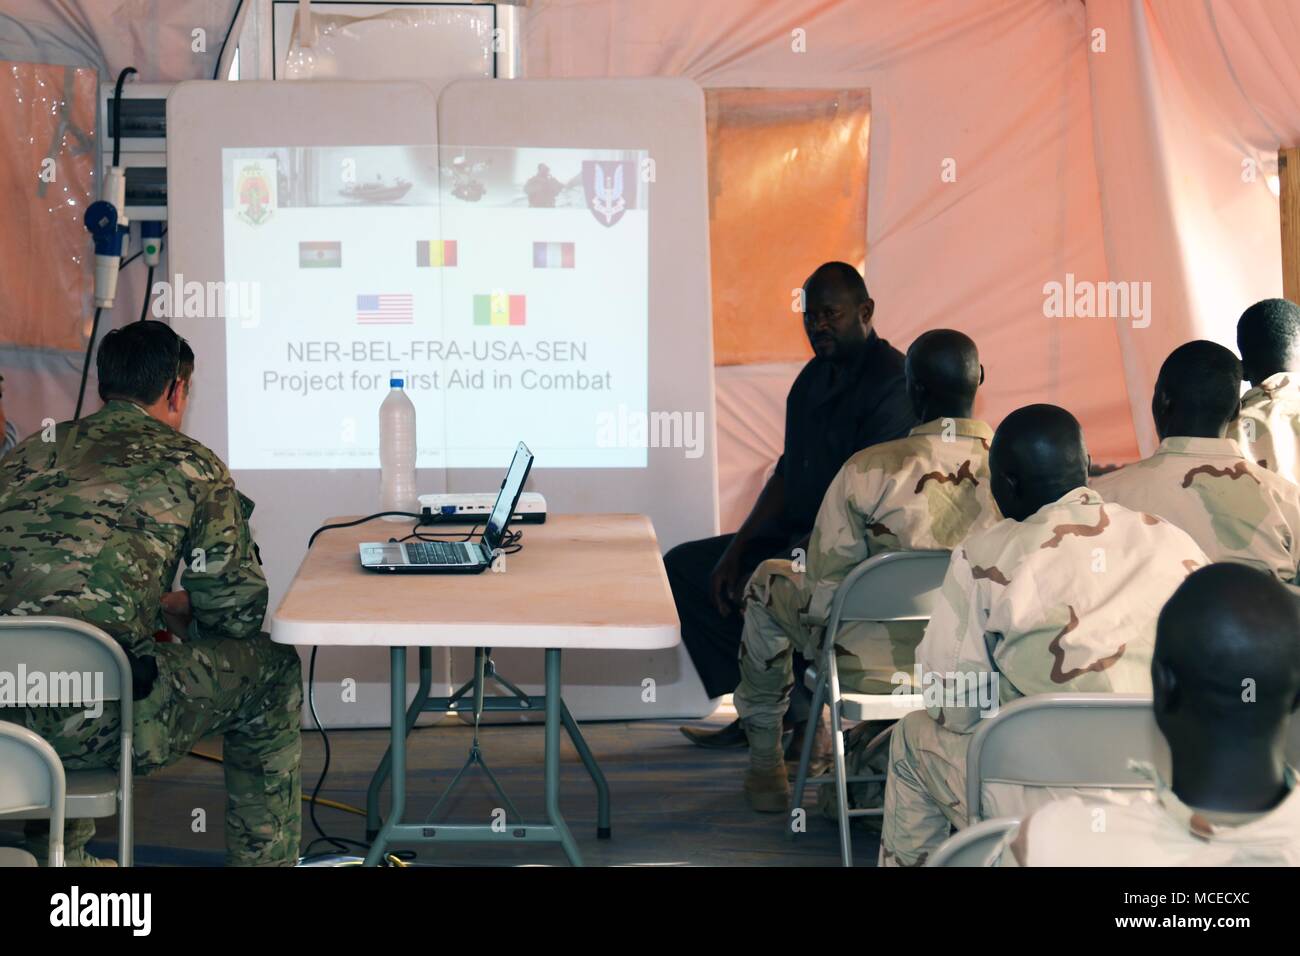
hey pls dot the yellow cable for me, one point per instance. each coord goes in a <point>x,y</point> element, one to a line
<point>320,801</point>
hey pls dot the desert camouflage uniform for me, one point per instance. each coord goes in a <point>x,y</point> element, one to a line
<point>1066,600</point>
<point>1268,428</point>
<point>925,491</point>
<point>94,526</point>
<point>1234,509</point>
<point>1161,832</point>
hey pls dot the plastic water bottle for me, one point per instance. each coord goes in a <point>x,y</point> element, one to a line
<point>397,452</point>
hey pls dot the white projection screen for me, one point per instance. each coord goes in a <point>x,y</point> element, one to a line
<point>530,256</point>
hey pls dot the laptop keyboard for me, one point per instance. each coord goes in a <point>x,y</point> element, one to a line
<point>436,552</point>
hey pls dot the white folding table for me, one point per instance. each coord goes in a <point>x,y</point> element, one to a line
<point>580,581</point>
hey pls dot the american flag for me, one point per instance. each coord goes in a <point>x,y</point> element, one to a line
<point>385,309</point>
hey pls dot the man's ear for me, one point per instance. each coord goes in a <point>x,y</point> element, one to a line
<point>174,395</point>
<point>867,311</point>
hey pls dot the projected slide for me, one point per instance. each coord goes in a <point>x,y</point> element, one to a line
<point>507,286</point>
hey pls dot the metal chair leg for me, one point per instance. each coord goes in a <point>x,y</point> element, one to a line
<point>805,753</point>
<point>841,772</point>
<point>125,804</point>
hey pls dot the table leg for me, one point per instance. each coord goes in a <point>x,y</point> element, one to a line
<point>553,722</point>
<point>397,749</point>
<point>412,715</point>
<point>593,768</point>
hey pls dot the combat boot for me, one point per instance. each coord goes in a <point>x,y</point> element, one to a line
<point>76,834</point>
<point>766,786</point>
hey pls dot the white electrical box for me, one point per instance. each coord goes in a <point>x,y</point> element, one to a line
<point>144,145</point>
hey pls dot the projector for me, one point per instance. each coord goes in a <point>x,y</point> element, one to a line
<point>471,508</point>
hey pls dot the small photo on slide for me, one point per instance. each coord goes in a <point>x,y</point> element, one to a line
<point>606,181</point>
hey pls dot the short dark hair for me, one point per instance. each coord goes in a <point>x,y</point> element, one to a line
<point>842,274</point>
<point>1267,335</point>
<point>1204,379</point>
<point>140,361</point>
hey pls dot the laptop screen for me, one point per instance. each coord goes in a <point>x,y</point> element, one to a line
<point>508,497</point>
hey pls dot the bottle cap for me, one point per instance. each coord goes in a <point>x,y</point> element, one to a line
<point>394,383</point>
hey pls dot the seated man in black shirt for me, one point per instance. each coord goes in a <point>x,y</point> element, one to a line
<point>851,394</point>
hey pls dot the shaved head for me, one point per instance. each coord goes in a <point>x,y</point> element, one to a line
<point>1225,679</point>
<point>1198,391</point>
<point>1038,455</point>
<point>1229,628</point>
<point>1268,337</point>
<point>943,373</point>
<point>837,311</point>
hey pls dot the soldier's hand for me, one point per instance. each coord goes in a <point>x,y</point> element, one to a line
<point>144,673</point>
<point>177,612</point>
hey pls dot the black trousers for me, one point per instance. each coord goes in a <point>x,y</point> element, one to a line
<point>712,640</point>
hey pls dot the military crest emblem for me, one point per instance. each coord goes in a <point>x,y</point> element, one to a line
<point>255,190</point>
<point>610,188</point>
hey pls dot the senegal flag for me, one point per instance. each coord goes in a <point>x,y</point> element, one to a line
<point>498,308</point>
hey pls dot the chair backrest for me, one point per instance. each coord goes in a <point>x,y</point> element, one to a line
<point>894,586</point>
<point>1064,740</point>
<point>80,664</point>
<point>32,778</point>
<point>975,845</point>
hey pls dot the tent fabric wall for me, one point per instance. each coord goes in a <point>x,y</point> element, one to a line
<point>1121,165</point>
<point>1190,104</point>
<point>106,35</point>
<point>999,88</point>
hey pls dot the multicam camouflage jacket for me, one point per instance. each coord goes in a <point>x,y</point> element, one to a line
<point>95,524</point>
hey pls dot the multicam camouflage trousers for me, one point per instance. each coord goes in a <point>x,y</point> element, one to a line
<point>925,795</point>
<point>249,692</point>
<point>868,656</point>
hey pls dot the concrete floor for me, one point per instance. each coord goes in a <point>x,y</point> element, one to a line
<point>673,804</point>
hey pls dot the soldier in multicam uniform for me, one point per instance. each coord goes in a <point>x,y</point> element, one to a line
<point>1234,801</point>
<point>1199,480</point>
<point>94,525</point>
<point>1268,429</point>
<point>1060,596</point>
<point>925,491</point>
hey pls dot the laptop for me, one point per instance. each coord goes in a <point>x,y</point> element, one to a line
<point>455,557</point>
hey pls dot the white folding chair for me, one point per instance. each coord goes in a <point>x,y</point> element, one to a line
<point>1071,741</point>
<point>31,778</point>
<point>894,586</point>
<point>61,645</point>
<point>974,846</point>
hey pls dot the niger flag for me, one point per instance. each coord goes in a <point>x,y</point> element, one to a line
<point>320,255</point>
